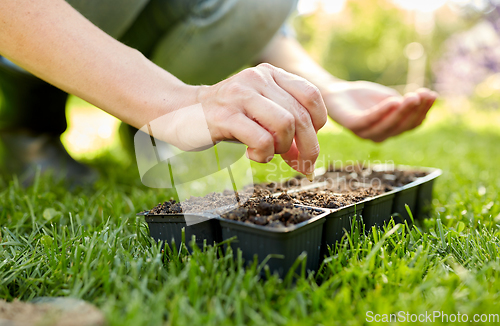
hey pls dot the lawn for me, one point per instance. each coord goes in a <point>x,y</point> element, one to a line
<point>88,243</point>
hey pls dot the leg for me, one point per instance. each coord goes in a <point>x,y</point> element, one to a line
<point>32,118</point>
<point>219,37</point>
<point>30,103</point>
<point>204,41</point>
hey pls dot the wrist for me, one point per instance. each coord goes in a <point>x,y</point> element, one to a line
<point>150,93</point>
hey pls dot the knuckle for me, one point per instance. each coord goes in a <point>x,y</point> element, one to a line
<point>266,66</point>
<point>287,122</point>
<point>268,158</point>
<point>223,120</point>
<point>254,156</point>
<point>253,74</point>
<point>238,90</point>
<point>311,96</point>
<point>233,88</point>
<point>258,158</point>
<point>312,93</point>
<point>265,141</point>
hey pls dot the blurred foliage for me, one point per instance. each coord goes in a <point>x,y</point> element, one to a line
<point>367,40</point>
<point>470,65</point>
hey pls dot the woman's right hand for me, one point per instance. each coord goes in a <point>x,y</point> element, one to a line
<point>269,110</point>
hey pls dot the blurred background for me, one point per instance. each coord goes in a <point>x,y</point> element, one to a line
<point>451,46</point>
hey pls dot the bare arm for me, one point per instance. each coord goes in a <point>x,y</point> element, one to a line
<point>370,110</point>
<point>268,109</point>
<point>56,43</point>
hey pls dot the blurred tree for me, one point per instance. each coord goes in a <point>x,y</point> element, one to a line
<point>470,64</point>
<point>367,40</point>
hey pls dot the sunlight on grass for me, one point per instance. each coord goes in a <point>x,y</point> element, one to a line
<point>92,246</point>
<point>90,132</point>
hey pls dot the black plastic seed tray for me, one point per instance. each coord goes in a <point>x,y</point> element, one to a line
<point>403,197</point>
<point>338,222</point>
<point>312,236</point>
<point>280,246</point>
<point>378,209</point>
<point>417,195</point>
<point>424,193</point>
<point>168,228</point>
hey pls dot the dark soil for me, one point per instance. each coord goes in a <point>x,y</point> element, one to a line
<point>387,179</point>
<point>352,177</point>
<point>209,202</point>
<point>272,212</point>
<point>195,204</point>
<point>326,198</point>
<point>343,187</point>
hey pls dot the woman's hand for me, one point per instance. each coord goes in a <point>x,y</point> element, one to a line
<point>376,112</point>
<point>269,110</point>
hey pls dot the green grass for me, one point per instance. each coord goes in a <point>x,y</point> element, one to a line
<point>89,244</point>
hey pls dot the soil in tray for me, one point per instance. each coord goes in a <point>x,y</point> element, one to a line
<point>195,204</point>
<point>387,179</point>
<point>351,177</point>
<point>326,198</point>
<point>344,187</point>
<point>270,211</point>
<point>209,202</point>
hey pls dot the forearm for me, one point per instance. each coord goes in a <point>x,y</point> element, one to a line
<point>54,42</point>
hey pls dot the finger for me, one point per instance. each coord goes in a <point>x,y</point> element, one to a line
<point>409,122</point>
<point>301,118</point>
<point>303,91</point>
<point>306,151</point>
<point>382,130</point>
<point>374,115</point>
<point>429,103</point>
<point>274,118</point>
<point>294,158</point>
<point>427,98</point>
<point>291,157</point>
<point>259,141</point>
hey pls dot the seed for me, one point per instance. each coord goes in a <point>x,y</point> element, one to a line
<point>310,176</point>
